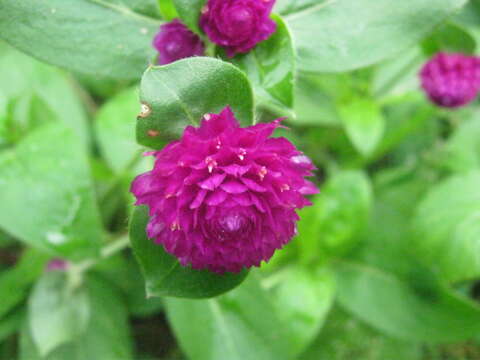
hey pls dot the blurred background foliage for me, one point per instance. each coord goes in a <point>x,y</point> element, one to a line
<point>385,266</point>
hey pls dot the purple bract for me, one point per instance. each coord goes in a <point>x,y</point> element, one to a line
<point>237,25</point>
<point>175,41</point>
<point>223,197</point>
<point>451,80</point>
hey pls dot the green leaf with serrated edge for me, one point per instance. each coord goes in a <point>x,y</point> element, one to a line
<point>88,36</point>
<point>364,124</point>
<point>106,337</point>
<point>327,40</point>
<point>270,66</point>
<point>15,282</point>
<point>164,276</point>
<point>57,314</point>
<point>446,227</point>
<point>180,94</point>
<point>189,11</point>
<point>47,194</point>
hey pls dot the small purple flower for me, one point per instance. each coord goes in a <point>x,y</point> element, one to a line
<point>238,25</point>
<point>57,264</point>
<point>451,80</point>
<point>175,41</point>
<point>223,197</point>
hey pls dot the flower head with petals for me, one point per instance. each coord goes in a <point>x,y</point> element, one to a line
<point>451,80</point>
<point>223,197</point>
<point>238,25</point>
<point>175,41</point>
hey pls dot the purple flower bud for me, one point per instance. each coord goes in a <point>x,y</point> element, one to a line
<point>223,197</point>
<point>237,25</point>
<point>451,80</point>
<point>57,264</point>
<point>175,41</point>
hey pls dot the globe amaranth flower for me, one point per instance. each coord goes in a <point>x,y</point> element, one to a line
<point>223,197</point>
<point>237,25</point>
<point>451,80</point>
<point>175,41</point>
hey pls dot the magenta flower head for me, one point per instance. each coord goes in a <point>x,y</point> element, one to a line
<point>237,25</point>
<point>451,80</point>
<point>223,197</point>
<point>175,41</point>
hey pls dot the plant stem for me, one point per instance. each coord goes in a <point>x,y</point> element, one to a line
<point>108,250</point>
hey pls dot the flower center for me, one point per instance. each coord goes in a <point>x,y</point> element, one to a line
<point>175,46</point>
<point>231,226</point>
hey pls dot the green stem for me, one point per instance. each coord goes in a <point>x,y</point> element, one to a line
<point>76,271</point>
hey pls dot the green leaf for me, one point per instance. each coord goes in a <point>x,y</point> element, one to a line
<point>364,124</point>
<point>167,9</point>
<point>42,90</point>
<point>346,338</point>
<point>164,276</point>
<point>237,326</point>
<point>88,36</point>
<point>398,76</point>
<point>462,151</point>
<point>181,93</point>
<point>339,215</point>
<point>302,298</point>
<point>449,38</point>
<point>270,66</point>
<point>144,7</point>
<point>189,12</point>
<point>15,282</point>
<point>57,312</point>
<point>414,308</point>
<point>115,128</point>
<point>317,97</point>
<point>47,194</point>
<point>349,35</point>
<point>106,337</point>
<point>253,322</point>
<point>11,323</point>
<point>446,227</point>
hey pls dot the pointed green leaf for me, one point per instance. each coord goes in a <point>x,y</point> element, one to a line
<point>57,314</point>
<point>180,94</point>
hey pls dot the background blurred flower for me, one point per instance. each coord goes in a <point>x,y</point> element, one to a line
<point>175,41</point>
<point>224,197</point>
<point>451,80</point>
<point>238,25</point>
